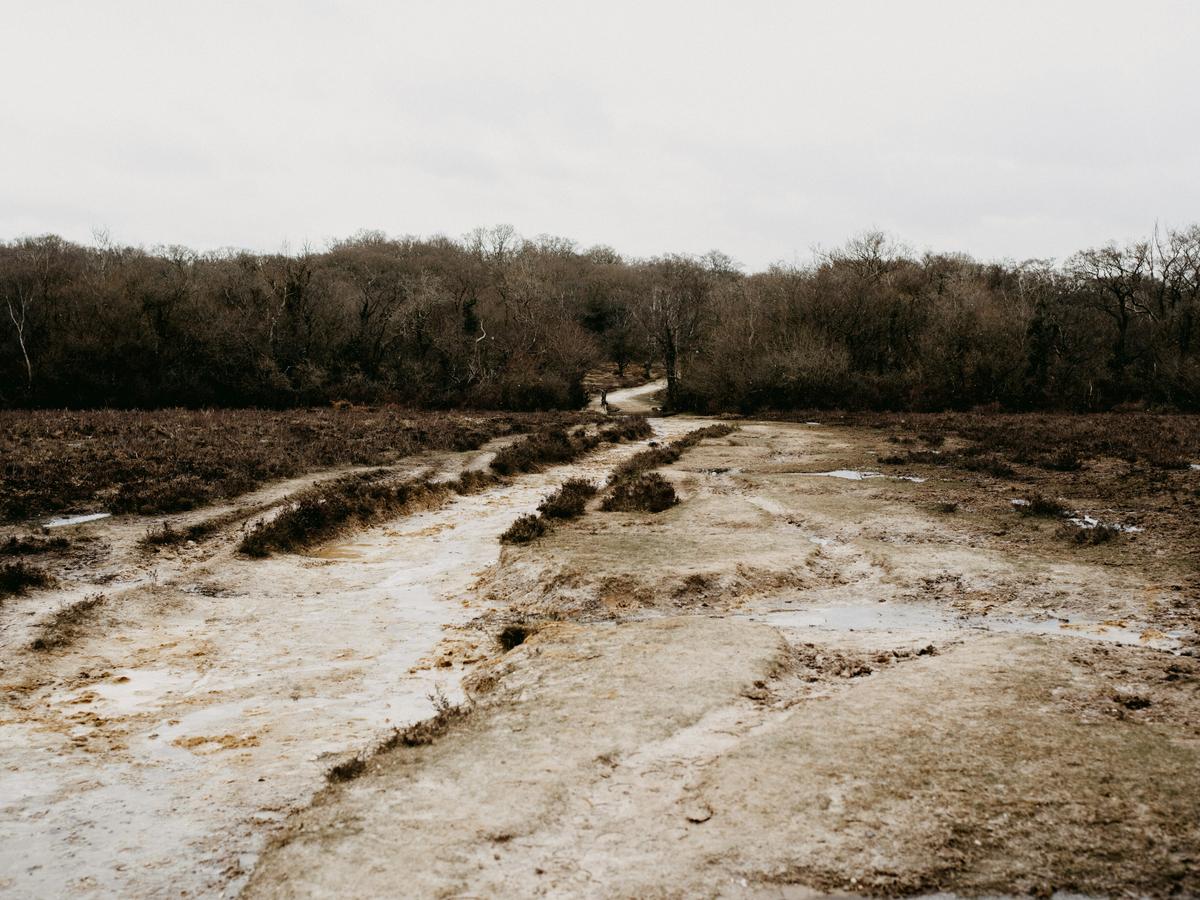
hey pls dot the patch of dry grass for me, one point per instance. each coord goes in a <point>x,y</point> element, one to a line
<point>330,508</point>
<point>644,492</point>
<point>19,577</point>
<point>57,461</point>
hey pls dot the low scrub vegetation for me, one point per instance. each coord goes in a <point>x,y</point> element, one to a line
<point>555,446</point>
<point>643,492</point>
<point>629,428</point>
<point>167,535</point>
<point>569,501</point>
<point>666,454</point>
<point>33,546</point>
<point>173,460</point>
<point>19,577</point>
<point>524,529</point>
<point>474,481</point>
<point>419,734</point>
<point>552,446</point>
<point>634,487</point>
<point>328,509</point>
<point>1041,506</point>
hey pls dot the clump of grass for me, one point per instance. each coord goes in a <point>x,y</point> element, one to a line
<point>554,446</point>
<point>569,501</point>
<point>666,454</point>
<point>523,530</point>
<point>531,453</point>
<point>1041,506</point>
<point>419,734</point>
<point>166,535</point>
<point>645,492</point>
<point>64,626</point>
<point>474,481</point>
<point>33,546</point>
<point>19,577</point>
<point>326,510</point>
<point>347,770</point>
<point>630,428</point>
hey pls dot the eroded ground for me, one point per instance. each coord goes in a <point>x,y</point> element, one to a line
<point>794,684</point>
<point>790,684</point>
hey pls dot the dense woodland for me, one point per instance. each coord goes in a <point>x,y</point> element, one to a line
<point>498,321</point>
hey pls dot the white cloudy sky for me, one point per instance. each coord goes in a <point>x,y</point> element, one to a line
<point>999,128</point>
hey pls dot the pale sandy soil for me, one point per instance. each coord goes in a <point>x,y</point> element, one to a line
<point>791,686</point>
<point>205,698</point>
<point>786,685</point>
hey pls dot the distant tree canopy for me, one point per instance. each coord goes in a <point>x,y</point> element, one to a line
<point>498,321</point>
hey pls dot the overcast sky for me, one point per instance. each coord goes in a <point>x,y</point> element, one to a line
<point>1011,129</point>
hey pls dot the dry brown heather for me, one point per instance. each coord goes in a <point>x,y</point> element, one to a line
<point>1136,462</point>
<point>169,460</point>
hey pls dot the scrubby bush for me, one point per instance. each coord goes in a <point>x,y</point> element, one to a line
<point>327,509</point>
<point>19,577</point>
<point>474,481</point>
<point>523,530</point>
<point>168,460</point>
<point>1041,506</point>
<point>629,428</point>
<point>646,492</point>
<point>569,501</point>
<point>32,546</point>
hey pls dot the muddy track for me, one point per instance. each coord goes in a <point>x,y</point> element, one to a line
<point>792,685</point>
<point>819,662</point>
<point>208,694</point>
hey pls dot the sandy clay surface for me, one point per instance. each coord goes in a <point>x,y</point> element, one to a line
<point>791,684</point>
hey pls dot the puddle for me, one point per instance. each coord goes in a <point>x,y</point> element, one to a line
<point>342,552</point>
<point>848,474</point>
<point>855,475</point>
<point>63,521</point>
<point>928,620</point>
<point>1085,521</point>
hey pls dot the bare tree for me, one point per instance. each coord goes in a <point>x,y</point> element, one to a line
<point>673,312</point>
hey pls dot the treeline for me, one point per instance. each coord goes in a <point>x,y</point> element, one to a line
<point>497,321</point>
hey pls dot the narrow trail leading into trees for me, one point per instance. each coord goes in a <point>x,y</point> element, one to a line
<point>156,754</point>
<point>639,400</point>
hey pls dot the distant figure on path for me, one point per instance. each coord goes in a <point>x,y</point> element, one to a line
<point>604,399</point>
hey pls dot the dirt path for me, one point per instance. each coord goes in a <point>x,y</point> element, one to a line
<point>795,683</point>
<point>203,704</point>
<point>638,400</point>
